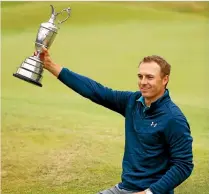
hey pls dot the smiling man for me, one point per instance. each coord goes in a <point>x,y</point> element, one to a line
<point>158,144</point>
<point>153,74</point>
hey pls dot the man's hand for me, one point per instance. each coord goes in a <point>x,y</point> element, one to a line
<point>142,192</point>
<point>48,64</point>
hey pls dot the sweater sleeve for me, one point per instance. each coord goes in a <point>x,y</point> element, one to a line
<point>179,141</point>
<point>88,88</point>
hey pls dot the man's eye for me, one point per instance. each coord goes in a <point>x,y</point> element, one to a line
<point>150,77</point>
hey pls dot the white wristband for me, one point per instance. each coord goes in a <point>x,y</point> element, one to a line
<point>148,191</point>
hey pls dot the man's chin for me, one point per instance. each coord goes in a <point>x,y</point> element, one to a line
<point>145,94</point>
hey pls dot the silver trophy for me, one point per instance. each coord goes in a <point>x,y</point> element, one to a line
<point>31,69</point>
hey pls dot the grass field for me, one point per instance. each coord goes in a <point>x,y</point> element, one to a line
<point>56,142</point>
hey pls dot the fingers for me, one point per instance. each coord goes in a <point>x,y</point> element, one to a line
<point>35,53</point>
<point>45,51</point>
<point>42,56</point>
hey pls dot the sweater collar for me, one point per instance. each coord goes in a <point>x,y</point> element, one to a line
<point>157,103</point>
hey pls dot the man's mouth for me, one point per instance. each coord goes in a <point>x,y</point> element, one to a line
<point>144,89</point>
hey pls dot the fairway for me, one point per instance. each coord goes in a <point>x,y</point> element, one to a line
<point>57,142</point>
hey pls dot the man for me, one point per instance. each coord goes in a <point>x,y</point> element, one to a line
<point>158,144</point>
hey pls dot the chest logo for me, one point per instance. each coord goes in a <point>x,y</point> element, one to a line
<point>153,124</point>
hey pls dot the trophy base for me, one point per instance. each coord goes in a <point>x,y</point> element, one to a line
<point>27,79</point>
<point>30,71</point>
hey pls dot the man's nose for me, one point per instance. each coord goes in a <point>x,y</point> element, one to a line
<point>143,81</point>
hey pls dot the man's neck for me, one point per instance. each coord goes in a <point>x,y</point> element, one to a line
<point>149,101</point>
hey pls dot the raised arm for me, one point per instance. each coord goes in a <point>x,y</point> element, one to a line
<point>88,88</point>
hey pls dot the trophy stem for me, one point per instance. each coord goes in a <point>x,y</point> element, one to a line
<point>38,55</point>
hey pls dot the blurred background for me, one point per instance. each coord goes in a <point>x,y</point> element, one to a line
<point>55,141</point>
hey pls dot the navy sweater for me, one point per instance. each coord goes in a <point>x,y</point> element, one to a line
<point>158,143</point>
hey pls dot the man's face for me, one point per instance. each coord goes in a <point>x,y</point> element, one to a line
<point>150,80</point>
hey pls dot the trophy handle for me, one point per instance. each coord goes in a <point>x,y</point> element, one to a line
<point>68,15</point>
<point>53,12</point>
<point>54,15</point>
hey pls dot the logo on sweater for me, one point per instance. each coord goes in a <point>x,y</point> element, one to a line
<point>153,124</point>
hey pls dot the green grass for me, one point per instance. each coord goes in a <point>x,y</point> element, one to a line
<point>53,140</point>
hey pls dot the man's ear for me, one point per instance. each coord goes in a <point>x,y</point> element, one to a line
<point>166,79</point>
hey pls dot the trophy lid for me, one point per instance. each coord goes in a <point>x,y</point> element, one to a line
<point>51,23</point>
<point>53,16</point>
